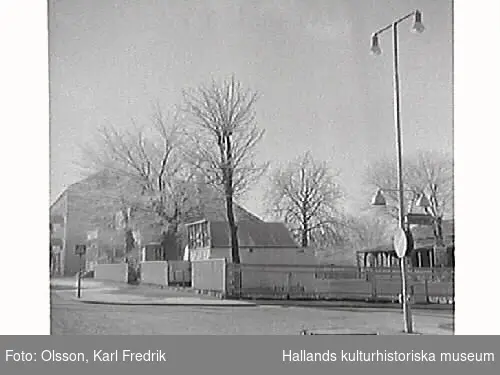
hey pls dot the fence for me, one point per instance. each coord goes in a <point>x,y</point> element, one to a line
<point>166,273</point>
<point>112,272</point>
<point>429,285</point>
<point>331,282</point>
<point>179,272</point>
<point>209,275</point>
<point>154,272</point>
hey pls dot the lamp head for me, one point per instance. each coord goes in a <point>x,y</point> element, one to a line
<point>423,201</point>
<point>378,199</point>
<point>418,26</point>
<point>375,47</point>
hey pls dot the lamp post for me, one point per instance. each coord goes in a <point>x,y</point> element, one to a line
<point>375,48</point>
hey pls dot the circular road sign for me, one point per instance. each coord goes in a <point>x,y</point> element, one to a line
<point>403,242</point>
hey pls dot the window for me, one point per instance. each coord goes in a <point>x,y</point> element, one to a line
<point>158,254</point>
<point>198,236</point>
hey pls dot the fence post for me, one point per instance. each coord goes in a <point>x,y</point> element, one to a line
<point>240,280</point>
<point>224,279</point>
<point>288,285</point>
<point>426,290</point>
<point>373,282</point>
<point>167,278</point>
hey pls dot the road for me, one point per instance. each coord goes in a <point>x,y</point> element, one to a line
<point>70,317</point>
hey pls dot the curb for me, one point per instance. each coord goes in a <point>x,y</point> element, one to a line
<point>158,303</point>
<point>353,306</point>
<point>246,304</point>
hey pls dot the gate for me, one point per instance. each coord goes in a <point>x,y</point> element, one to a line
<point>179,273</point>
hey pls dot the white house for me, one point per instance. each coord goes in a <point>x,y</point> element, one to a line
<point>259,243</point>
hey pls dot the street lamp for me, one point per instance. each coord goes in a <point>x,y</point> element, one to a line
<point>423,201</point>
<point>375,49</point>
<point>419,199</point>
<point>418,26</point>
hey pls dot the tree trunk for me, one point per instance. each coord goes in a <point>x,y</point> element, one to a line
<point>438,231</point>
<point>228,179</point>
<point>305,241</point>
<point>305,224</point>
<point>170,242</point>
<point>235,253</point>
<point>175,241</point>
<point>440,253</point>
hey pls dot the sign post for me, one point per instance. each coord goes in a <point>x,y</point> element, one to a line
<point>80,251</point>
<point>403,244</point>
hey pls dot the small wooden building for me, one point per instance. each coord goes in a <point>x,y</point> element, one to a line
<point>424,252</point>
<point>259,243</point>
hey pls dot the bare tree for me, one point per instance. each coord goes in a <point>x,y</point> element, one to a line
<point>223,139</point>
<point>427,172</point>
<point>355,232</point>
<point>305,195</point>
<point>147,159</point>
<point>367,231</point>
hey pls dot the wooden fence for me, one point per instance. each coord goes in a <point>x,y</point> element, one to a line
<point>111,272</point>
<point>332,282</point>
<point>166,273</point>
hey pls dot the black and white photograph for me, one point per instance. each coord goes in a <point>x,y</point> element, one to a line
<point>251,167</point>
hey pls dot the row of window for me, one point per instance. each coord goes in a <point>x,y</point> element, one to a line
<point>198,236</point>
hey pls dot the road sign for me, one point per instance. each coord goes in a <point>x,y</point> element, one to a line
<point>80,249</point>
<point>420,219</point>
<point>403,242</point>
<point>92,235</point>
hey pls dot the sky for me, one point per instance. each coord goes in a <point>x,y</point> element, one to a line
<point>320,89</point>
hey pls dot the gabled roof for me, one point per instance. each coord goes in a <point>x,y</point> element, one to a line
<point>89,181</point>
<point>425,232</point>
<point>97,190</point>
<point>214,210</point>
<point>252,234</point>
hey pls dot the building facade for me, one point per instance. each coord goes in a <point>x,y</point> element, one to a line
<point>91,212</point>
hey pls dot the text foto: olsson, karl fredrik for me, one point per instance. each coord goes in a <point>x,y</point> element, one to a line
<point>384,356</point>
<point>50,355</point>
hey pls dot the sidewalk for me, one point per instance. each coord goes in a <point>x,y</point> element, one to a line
<point>110,293</point>
<point>106,292</point>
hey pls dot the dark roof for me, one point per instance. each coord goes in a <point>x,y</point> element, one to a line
<point>214,210</point>
<point>386,248</point>
<point>425,232</point>
<point>252,234</point>
<point>212,207</point>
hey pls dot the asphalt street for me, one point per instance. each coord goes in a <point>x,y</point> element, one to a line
<point>70,317</point>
